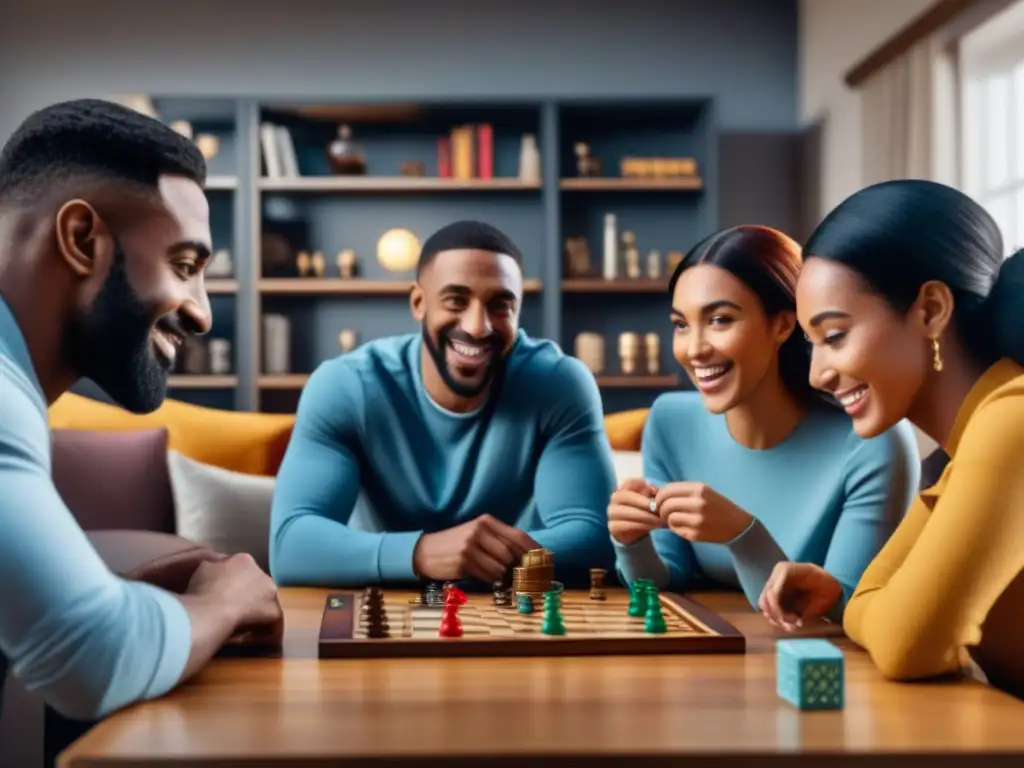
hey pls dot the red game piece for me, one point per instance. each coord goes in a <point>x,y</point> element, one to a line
<point>450,625</point>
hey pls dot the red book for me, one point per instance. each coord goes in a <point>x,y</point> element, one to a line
<point>444,157</point>
<point>485,151</point>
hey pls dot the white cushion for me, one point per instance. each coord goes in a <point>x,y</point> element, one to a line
<point>627,464</point>
<point>221,509</point>
<point>230,511</point>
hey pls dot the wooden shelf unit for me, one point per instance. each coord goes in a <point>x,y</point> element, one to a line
<point>623,285</point>
<point>352,287</point>
<point>403,184</point>
<point>202,381</point>
<point>612,184</point>
<point>314,210</point>
<point>221,183</point>
<point>637,381</point>
<point>219,285</point>
<point>283,380</point>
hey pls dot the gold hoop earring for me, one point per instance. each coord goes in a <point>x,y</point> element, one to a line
<point>936,355</point>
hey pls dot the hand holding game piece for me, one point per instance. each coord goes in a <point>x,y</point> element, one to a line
<point>631,515</point>
<point>482,548</point>
<point>797,593</point>
<point>698,512</point>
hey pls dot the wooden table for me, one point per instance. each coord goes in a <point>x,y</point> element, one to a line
<point>590,711</point>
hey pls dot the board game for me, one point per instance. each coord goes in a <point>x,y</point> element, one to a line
<point>375,623</point>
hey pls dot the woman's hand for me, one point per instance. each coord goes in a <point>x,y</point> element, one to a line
<point>629,513</point>
<point>797,593</point>
<point>699,513</point>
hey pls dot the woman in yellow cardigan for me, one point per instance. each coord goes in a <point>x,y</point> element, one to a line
<point>913,313</point>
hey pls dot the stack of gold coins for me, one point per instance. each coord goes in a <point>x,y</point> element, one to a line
<point>535,575</point>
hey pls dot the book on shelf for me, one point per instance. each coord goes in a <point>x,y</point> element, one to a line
<point>278,151</point>
<point>467,152</point>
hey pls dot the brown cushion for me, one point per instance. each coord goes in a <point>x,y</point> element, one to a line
<point>115,479</point>
<point>162,559</point>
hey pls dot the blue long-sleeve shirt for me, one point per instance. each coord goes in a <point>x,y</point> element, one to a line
<point>824,495</point>
<point>366,429</point>
<point>87,641</point>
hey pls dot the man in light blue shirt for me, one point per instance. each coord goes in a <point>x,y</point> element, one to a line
<point>104,234</point>
<point>470,441</point>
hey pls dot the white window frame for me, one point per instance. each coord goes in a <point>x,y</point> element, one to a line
<point>992,58</point>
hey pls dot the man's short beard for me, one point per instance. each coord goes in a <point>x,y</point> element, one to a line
<point>438,354</point>
<point>111,344</point>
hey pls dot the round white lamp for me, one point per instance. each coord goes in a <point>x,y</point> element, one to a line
<point>398,250</point>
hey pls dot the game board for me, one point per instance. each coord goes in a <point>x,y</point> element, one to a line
<point>593,627</point>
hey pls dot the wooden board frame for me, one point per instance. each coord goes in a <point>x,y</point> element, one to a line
<point>338,626</point>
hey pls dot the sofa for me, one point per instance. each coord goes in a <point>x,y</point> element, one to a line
<point>143,487</point>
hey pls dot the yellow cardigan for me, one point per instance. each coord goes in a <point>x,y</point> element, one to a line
<point>929,593</point>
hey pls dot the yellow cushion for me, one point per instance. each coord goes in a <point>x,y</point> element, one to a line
<point>625,429</point>
<point>242,441</point>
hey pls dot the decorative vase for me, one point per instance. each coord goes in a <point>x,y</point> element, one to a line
<point>344,154</point>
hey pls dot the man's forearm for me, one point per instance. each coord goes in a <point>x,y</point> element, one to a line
<point>213,622</point>
<point>312,550</point>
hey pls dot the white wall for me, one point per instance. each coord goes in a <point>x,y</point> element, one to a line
<point>835,35</point>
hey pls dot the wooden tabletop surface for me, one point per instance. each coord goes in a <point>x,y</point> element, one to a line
<point>298,710</point>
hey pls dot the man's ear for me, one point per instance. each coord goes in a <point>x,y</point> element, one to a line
<point>417,303</point>
<point>83,239</point>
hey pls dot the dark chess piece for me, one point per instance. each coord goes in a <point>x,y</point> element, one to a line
<point>373,609</point>
<point>502,595</point>
<point>433,594</point>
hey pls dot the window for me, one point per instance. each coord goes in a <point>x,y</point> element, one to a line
<point>992,84</point>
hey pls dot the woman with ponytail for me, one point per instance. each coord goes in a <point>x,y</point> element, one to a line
<point>755,467</point>
<point>914,314</point>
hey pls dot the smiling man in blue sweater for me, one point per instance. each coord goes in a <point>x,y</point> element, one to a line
<point>455,436</point>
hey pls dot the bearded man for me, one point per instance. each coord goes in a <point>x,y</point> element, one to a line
<point>104,239</point>
<point>471,442</point>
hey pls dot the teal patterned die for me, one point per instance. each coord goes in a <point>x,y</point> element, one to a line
<point>809,673</point>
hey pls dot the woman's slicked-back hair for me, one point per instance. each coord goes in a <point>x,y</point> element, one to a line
<point>898,235</point>
<point>768,262</point>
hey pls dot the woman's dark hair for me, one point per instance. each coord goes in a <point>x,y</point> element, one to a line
<point>768,262</point>
<point>898,235</point>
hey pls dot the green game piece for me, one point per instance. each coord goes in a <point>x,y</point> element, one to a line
<point>525,603</point>
<point>655,619</point>
<point>638,597</point>
<point>552,624</point>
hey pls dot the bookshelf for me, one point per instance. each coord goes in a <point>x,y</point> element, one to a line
<point>266,210</point>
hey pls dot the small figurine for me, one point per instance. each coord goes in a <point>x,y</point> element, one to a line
<point>652,348</point>
<point>631,255</point>
<point>346,262</point>
<point>347,340</point>
<point>597,583</point>
<point>303,263</point>
<point>654,264</point>
<point>629,352</point>
<point>319,264</point>
<point>586,165</point>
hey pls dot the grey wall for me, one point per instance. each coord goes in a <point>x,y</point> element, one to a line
<point>743,51</point>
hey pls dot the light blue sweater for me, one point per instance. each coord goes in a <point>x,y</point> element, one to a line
<point>824,495</point>
<point>87,641</point>
<point>366,430</point>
